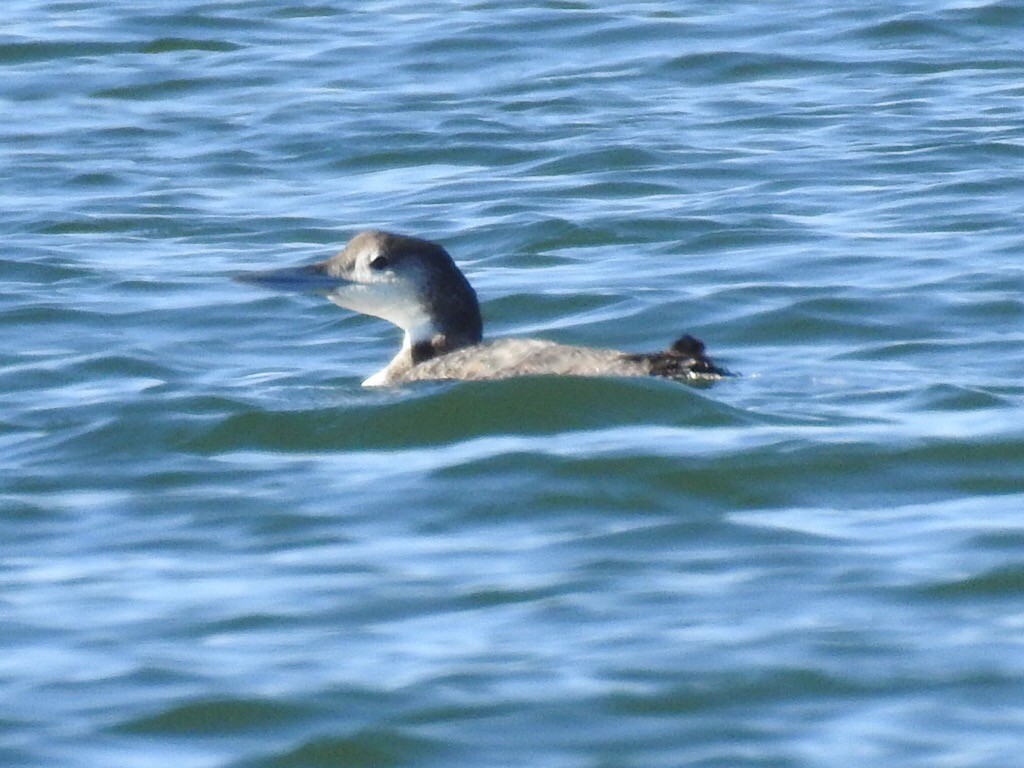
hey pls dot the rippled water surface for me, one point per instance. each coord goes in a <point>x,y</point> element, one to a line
<point>217,549</point>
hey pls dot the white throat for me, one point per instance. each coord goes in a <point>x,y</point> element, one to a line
<point>423,330</point>
<point>417,333</point>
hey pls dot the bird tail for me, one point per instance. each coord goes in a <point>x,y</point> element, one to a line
<point>685,359</point>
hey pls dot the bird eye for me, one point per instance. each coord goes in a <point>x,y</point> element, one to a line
<point>379,262</point>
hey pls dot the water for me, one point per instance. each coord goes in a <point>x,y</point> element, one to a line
<point>216,549</point>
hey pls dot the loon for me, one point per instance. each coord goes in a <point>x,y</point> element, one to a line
<point>416,285</point>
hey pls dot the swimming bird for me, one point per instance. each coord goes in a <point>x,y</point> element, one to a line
<point>416,285</point>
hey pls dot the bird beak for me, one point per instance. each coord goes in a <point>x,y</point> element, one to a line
<point>393,301</point>
<point>312,278</point>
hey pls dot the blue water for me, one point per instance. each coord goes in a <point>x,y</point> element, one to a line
<point>217,549</point>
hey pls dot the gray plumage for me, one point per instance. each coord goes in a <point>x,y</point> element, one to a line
<point>416,285</point>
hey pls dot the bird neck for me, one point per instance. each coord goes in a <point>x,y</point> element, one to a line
<point>420,344</point>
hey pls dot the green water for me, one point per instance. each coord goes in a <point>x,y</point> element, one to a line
<point>217,549</point>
